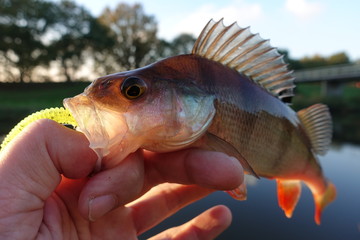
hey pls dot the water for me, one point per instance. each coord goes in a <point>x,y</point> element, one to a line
<point>260,217</point>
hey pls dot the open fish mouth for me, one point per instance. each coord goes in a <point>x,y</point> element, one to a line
<point>105,129</point>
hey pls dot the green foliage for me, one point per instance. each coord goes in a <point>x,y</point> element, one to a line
<point>345,111</point>
<point>71,39</point>
<point>38,36</point>
<point>182,44</point>
<point>135,38</point>
<point>23,27</point>
<point>338,58</point>
<point>315,60</point>
<point>293,64</point>
<point>19,100</point>
<point>37,33</point>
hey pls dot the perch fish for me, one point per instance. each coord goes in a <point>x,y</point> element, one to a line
<point>227,95</point>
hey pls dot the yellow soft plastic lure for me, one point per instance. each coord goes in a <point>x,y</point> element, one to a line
<point>60,115</point>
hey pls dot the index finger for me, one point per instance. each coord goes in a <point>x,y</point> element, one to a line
<point>140,172</point>
<point>207,169</point>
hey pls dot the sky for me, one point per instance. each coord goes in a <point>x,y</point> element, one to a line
<point>303,27</point>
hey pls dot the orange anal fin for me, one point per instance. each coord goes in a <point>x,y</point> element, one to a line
<point>288,195</point>
<point>322,200</point>
<point>239,193</point>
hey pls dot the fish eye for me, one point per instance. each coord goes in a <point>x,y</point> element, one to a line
<point>133,87</point>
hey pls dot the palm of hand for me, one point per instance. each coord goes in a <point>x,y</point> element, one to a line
<point>47,194</point>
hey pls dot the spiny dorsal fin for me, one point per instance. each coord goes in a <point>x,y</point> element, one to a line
<point>317,122</point>
<point>248,53</point>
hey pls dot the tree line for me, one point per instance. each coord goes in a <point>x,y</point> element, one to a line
<point>315,60</point>
<point>60,40</point>
<point>40,39</point>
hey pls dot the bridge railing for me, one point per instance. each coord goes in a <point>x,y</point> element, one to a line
<point>330,73</point>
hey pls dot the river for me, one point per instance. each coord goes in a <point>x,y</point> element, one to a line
<point>260,217</point>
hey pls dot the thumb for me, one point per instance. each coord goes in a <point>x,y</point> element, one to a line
<point>31,166</point>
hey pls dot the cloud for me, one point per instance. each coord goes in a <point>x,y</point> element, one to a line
<point>237,10</point>
<point>304,9</point>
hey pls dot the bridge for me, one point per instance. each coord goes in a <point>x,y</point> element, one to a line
<point>332,78</point>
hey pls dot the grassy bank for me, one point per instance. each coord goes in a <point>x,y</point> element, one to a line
<point>19,100</point>
<point>345,110</point>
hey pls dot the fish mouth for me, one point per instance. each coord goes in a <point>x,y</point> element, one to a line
<point>105,129</point>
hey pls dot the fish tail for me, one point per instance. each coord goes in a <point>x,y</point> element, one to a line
<point>323,199</point>
<point>324,192</point>
<point>317,123</point>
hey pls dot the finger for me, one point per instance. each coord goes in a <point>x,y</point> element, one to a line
<point>125,182</point>
<point>112,187</point>
<point>42,151</point>
<point>207,225</point>
<point>31,167</point>
<point>163,201</point>
<point>208,169</point>
<point>69,150</point>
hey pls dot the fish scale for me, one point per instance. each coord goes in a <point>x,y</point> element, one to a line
<point>256,136</point>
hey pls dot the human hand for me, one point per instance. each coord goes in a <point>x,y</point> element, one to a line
<point>45,191</point>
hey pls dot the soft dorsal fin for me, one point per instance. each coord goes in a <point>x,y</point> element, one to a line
<point>248,53</point>
<point>317,122</point>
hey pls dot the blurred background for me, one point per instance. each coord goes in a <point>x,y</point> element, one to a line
<point>50,50</point>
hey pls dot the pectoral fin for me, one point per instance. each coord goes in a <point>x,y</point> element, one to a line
<point>288,195</point>
<point>212,142</point>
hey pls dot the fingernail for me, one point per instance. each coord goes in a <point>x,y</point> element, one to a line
<point>101,205</point>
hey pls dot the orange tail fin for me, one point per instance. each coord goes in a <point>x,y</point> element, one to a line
<point>288,195</point>
<point>322,200</point>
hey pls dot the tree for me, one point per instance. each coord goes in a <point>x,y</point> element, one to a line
<point>135,34</point>
<point>313,61</point>
<point>37,33</point>
<point>320,61</point>
<point>338,58</point>
<point>100,42</point>
<point>181,44</point>
<point>293,64</point>
<point>23,27</point>
<point>69,35</point>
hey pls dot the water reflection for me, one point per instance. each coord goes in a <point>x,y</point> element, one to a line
<point>260,217</point>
